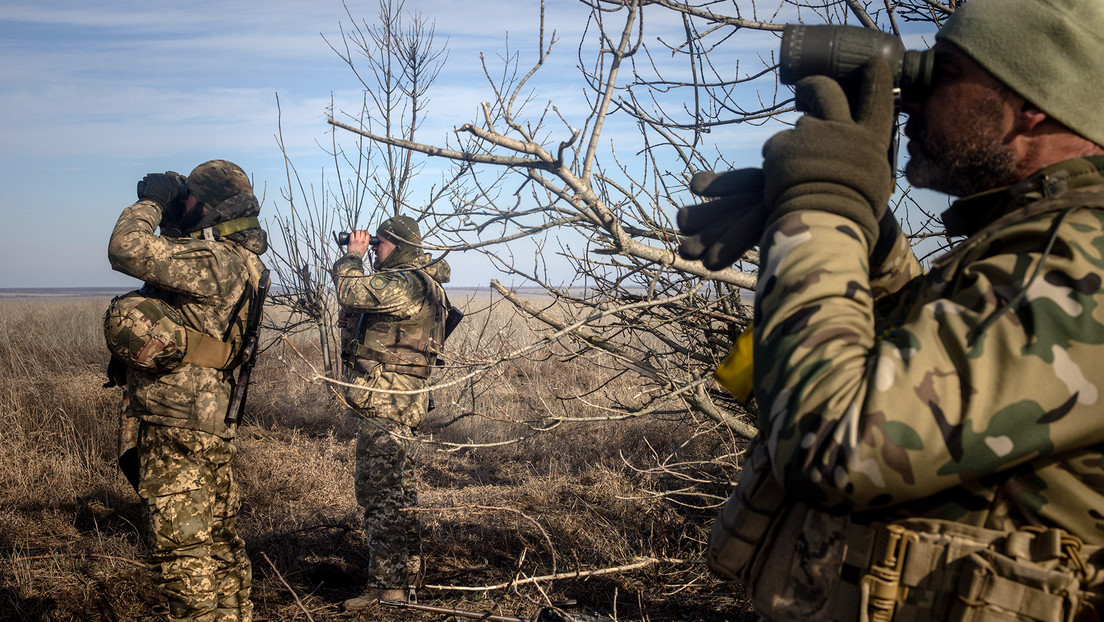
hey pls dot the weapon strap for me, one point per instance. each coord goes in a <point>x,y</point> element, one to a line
<point>207,351</point>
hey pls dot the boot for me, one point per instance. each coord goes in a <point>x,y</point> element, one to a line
<point>373,595</point>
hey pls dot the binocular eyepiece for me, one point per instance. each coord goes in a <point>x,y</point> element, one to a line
<point>839,52</point>
<point>342,238</point>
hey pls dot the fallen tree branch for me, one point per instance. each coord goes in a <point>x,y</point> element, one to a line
<point>77,555</point>
<point>578,574</point>
<point>281,578</point>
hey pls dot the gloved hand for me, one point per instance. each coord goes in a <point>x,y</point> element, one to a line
<point>832,160</point>
<point>720,231</point>
<point>166,189</point>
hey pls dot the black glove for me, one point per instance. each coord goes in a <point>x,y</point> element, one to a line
<point>720,231</point>
<point>833,160</point>
<point>166,189</point>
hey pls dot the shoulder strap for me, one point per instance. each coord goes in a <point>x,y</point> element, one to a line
<point>207,351</point>
<point>435,295</point>
<point>1091,197</point>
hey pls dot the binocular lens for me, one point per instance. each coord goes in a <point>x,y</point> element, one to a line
<point>342,238</point>
<point>839,52</point>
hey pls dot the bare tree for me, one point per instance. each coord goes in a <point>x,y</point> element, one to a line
<point>537,178</point>
<point>370,180</point>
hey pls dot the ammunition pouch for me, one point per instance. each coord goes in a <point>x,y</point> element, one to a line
<point>928,569</point>
<point>362,365</point>
<point>747,518</point>
<point>800,563</point>
<point>365,359</point>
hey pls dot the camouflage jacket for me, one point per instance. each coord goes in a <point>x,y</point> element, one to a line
<point>398,294</point>
<point>969,393</point>
<point>206,279</point>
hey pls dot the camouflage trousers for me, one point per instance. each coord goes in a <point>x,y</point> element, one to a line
<point>188,482</point>
<point>384,485</point>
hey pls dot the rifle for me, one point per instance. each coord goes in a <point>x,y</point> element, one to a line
<point>249,351</point>
<point>544,614</point>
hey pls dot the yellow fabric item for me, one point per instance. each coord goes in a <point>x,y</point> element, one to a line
<point>231,226</point>
<point>735,371</point>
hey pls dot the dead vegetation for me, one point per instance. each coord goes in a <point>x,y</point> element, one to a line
<point>614,515</point>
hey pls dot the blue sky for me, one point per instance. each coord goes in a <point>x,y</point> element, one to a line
<point>95,94</point>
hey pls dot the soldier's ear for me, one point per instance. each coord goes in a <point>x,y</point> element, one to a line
<point>1027,118</point>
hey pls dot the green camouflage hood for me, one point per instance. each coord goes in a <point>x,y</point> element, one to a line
<point>403,232</point>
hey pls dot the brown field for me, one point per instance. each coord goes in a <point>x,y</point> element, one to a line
<point>571,501</point>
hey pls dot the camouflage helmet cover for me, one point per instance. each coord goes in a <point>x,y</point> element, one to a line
<point>145,333</point>
<point>399,229</point>
<point>224,188</point>
<point>215,181</point>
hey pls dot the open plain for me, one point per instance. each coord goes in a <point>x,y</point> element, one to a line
<point>521,502</point>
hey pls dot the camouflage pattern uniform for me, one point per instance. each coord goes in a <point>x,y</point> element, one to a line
<point>403,302</point>
<point>930,444</point>
<point>185,445</point>
<point>969,394</point>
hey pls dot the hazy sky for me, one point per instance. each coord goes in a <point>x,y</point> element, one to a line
<point>97,93</point>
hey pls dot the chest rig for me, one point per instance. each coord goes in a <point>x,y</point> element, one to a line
<point>399,343</point>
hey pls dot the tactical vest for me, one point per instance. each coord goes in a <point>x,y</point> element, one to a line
<point>146,331</point>
<point>405,345</point>
<point>803,564</point>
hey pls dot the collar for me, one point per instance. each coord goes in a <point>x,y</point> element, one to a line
<point>226,228</point>
<point>968,215</point>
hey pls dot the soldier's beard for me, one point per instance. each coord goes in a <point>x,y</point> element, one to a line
<point>971,160</point>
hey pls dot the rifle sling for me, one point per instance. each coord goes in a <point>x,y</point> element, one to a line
<point>207,351</point>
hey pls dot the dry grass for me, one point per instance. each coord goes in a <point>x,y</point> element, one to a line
<point>71,544</point>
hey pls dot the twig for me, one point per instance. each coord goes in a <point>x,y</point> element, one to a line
<point>547,539</point>
<point>648,561</point>
<point>281,577</point>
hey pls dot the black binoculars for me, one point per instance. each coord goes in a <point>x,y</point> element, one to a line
<point>342,238</point>
<point>839,52</point>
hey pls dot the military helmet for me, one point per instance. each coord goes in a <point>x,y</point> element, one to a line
<point>403,232</point>
<point>224,188</point>
<point>215,181</point>
<point>145,333</point>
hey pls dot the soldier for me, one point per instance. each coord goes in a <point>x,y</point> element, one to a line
<point>201,279</point>
<point>396,323</point>
<point>932,448</point>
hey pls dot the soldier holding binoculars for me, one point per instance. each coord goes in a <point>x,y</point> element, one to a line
<point>395,325</point>
<point>181,337</point>
<point>931,445</point>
